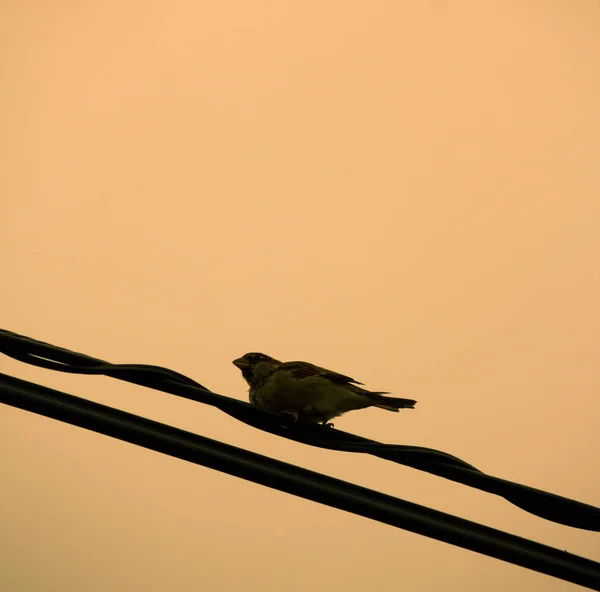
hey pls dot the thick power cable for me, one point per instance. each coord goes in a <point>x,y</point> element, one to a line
<point>298,481</point>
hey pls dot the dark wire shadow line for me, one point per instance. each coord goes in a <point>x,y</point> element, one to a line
<point>535,501</point>
<point>298,481</point>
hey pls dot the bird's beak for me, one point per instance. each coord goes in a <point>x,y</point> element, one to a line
<point>241,363</point>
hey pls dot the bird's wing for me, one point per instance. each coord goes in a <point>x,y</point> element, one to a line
<point>301,370</point>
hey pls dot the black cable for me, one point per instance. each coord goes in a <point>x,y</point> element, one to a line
<point>300,482</point>
<point>535,501</point>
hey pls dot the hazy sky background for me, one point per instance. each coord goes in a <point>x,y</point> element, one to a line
<point>404,192</point>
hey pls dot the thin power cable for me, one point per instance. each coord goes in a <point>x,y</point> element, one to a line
<point>535,501</point>
<point>297,481</point>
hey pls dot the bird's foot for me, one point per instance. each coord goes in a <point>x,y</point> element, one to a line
<point>327,424</point>
<point>294,414</point>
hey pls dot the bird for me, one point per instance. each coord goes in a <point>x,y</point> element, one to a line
<point>307,391</point>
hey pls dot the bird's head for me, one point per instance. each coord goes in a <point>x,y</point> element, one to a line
<point>256,367</point>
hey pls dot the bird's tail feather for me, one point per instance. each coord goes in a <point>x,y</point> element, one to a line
<point>393,403</point>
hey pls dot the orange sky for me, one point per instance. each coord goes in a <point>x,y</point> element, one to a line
<point>406,194</point>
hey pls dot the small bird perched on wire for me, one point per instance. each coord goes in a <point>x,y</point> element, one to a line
<point>307,391</point>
